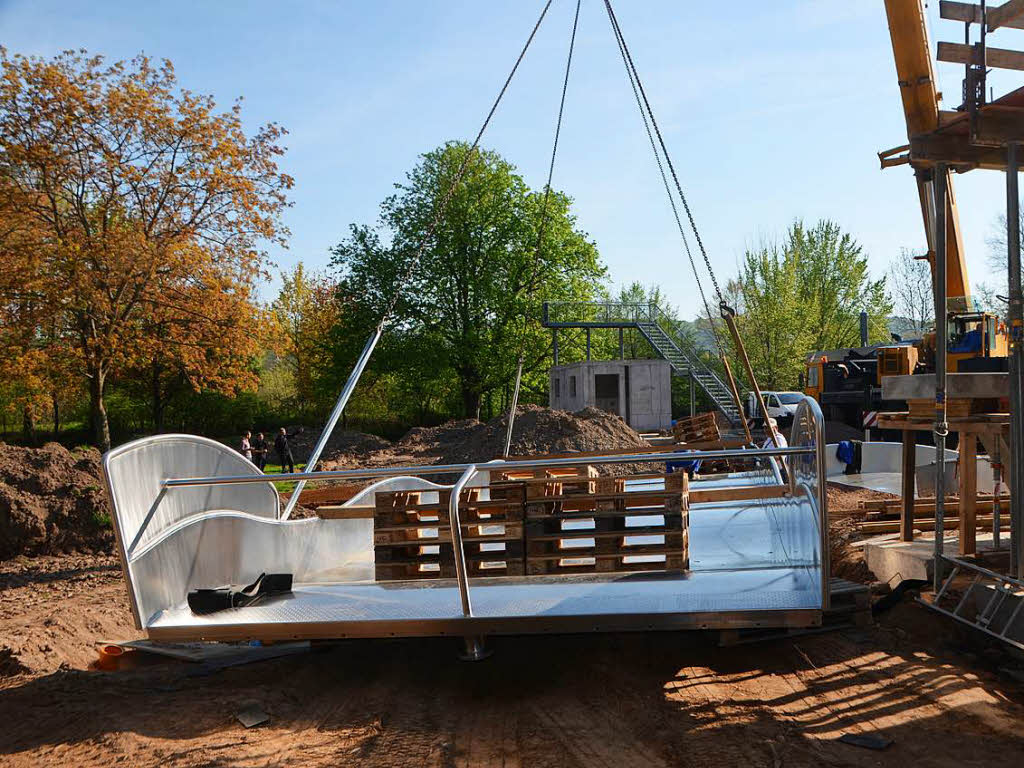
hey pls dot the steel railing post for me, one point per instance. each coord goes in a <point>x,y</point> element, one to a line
<point>456,530</point>
<point>941,428</point>
<point>1016,323</point>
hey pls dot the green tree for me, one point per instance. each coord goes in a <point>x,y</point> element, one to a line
<point>803,294</point>
<point>461,311</point>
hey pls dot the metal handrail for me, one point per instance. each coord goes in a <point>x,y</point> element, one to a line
<point>457,547</point>
<point>442,469</point>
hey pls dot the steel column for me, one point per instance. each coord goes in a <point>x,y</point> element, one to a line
<point>692,411</point>
<point>622,346</point>
<point>588,345</point>
<point>1016,457</point>
<point>554,344</point>
<point>941,427</point>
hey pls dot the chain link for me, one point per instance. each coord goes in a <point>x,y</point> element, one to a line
<point>637,86</point>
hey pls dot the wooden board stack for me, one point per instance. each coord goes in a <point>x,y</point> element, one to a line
<point>412,539</point>
<point>697,429</point>
<point>594,525</point>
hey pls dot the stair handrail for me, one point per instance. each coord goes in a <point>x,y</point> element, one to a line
<point>691,358</point>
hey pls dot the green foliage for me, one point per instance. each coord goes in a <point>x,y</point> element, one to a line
<point>473,301</point>
<point>803,294</point>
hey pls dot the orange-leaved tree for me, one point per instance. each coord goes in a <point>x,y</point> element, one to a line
<point>139,216</point>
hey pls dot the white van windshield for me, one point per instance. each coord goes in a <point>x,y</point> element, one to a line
<point>790,398</point>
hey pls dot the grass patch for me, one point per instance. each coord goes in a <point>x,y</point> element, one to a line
<point>282,486</point>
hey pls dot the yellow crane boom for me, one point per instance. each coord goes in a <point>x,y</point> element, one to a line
<point>916,76</point>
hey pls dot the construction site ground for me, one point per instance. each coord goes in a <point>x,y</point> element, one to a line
<point>943,697</point>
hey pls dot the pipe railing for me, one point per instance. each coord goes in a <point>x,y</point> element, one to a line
<point>450,469</point>
<point>809,419</point>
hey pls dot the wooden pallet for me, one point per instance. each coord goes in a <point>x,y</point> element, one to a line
<point>700,428</point>
<point>598,532</point>
<point>413,539</point>
<point>956,407</point>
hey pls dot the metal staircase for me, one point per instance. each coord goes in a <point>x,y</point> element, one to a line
<point>652,323</point>
<point>689,365</point>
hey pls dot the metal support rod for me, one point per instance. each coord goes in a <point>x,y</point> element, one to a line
<point>941,427</point>
<point>622,346</point>
<point>734,331</point>
<point>810,406</point>
<point>1016,311</point>
<point>512,410</point>
<point>692,404</point>
<point>736,397</point>
<point>339,407</point>
<point>554,344</point>
<point>421,470</point>
<point>588,345</point>
<point>457,549</point>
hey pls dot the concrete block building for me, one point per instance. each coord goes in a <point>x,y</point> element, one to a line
<point>640,391</point>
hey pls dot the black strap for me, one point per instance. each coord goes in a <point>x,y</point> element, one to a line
<point>203,601</point>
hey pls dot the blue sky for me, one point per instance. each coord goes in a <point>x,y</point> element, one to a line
<point>772,111</point>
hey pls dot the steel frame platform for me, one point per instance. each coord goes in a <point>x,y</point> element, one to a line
<point>753,564</point>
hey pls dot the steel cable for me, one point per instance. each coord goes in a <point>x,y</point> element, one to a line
<point>540,231</point>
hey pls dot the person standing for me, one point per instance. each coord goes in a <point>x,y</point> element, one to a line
<point>259,451</point>
<point>284,450</point>
<point>246,448</point>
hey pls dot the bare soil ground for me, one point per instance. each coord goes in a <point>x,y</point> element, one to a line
<point>661,699</point>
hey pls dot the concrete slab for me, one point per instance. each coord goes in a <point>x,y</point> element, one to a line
<point>922,386</point>
<point>896,561</point>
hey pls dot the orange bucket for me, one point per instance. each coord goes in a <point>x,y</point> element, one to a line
<point>110,656</point>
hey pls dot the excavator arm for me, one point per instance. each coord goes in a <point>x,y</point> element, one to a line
<point>916,76</point>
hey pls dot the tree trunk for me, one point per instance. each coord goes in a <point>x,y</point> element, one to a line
<point>28,424</point>
<point>471,402</point>
<point>158,400</point>
<point>56,415</point>
<point>98,409</point>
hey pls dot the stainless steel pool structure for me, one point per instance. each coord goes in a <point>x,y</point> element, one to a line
<point>190,512</point>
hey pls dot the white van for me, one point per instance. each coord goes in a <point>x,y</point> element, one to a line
<point>781,407</point>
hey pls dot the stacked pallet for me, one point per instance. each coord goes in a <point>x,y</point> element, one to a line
<point>412,539</point>
<point>592,524</point>
<point>697,429</point>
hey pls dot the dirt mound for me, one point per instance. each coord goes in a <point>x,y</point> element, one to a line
<point>537,430</point>
<point>51,500</point>
<point>342,444</point>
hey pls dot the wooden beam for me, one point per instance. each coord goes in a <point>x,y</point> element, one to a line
<point>956,151</point>
<point>1001,58</point>
<point>948,524</point>
<point>909,468</point>
<point>739,493</point>
<point>970,13</point>
<point>968,493</point>
<point>1004,14</point>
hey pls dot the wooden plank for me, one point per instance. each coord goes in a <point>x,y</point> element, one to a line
<point>1000,58</point>
<point>335,512</point>
<point>921,524</point>
<point>739,493</point>
<point>968,493</point>
<point>1006,13</point>
<point>971,13</point>
<point>909,468</point>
